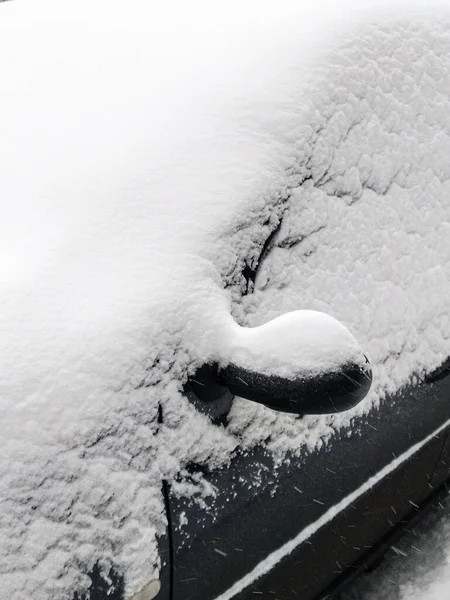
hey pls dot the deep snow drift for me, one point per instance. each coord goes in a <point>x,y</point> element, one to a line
<point>144,160</point>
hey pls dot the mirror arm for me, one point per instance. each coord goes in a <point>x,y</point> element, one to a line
<point>208,395</point>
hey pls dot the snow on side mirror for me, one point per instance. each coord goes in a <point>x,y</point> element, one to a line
<point>303,362</point>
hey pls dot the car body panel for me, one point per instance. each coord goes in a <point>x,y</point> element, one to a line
<point>312,567</point>
<point>258,508</point>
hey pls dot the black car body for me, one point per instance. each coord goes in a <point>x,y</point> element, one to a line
<point>309,522</point>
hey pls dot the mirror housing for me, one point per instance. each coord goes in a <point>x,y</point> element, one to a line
<point>303,362</point>
<point>326,393</point>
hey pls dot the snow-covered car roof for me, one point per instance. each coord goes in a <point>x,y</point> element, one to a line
<point>144,160</point>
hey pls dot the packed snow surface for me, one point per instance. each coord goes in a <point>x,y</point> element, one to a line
<point>146,155</point>
<point>297,344</point>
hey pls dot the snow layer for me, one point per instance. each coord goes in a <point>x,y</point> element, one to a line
<point>144,159</point>
<point>300,343</point>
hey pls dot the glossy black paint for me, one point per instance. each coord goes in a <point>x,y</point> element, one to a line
<point>374,557</point>
<point>212,389</point>
<point>325,393</point>
<point>258,508</point>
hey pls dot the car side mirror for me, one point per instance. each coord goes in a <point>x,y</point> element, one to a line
<point>325,393</point>
<point>303,362</point>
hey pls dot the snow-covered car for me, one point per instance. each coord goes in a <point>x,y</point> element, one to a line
<point>211,216</point>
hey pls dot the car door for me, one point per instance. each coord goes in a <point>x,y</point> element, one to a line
<point>365,237</point>
<point>288,531</point>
